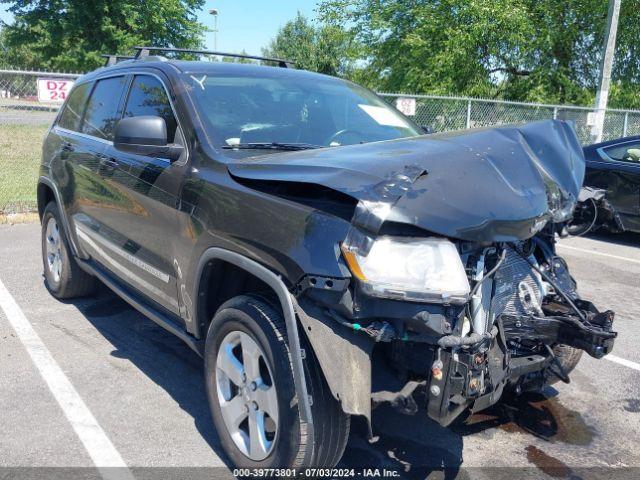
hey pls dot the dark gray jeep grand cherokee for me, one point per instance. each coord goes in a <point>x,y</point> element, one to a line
<point>316,248</point>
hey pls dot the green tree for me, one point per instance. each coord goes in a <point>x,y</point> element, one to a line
<point>72,34</point>
<point>325,49</point>
<point>11,56</point>
<point>535,50</point>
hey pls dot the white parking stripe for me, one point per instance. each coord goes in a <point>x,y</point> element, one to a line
<point>595,252</point>
<point>623,361</point>
<point>100,449</point>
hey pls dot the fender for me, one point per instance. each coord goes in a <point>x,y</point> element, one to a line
<point>284,296</point>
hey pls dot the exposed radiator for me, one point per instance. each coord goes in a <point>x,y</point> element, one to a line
<point>517,288</point>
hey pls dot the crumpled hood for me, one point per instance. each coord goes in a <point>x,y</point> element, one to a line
<point>494,184</point>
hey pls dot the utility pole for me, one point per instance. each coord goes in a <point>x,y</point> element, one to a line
<point>605,69</point>
<point>214,12</point>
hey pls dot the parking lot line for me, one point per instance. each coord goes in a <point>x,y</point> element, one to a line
<point>102,452</point>
<point>623,361</point>
<point>595,252</point>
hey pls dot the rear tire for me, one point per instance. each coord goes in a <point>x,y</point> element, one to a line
<point>63,277</point>
<point>568,358</point>
<point>254,321</point>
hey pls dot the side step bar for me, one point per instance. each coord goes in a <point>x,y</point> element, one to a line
<point>154,314</point>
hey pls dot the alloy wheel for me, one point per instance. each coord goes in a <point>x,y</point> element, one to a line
<point>53,249</point>
<point>247,395</point>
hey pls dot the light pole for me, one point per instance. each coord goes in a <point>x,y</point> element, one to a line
<point>214,12</point>
<point>605,69</point>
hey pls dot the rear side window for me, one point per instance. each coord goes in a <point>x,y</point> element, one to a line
<point>102,113</point>
<point>627,152</point>
<point>72,113</point>
<point>148,97</point>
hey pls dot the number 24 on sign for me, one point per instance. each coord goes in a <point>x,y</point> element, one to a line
<point>53,90</point>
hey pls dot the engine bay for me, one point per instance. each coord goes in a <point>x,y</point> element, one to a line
<point>522,314</point>
<point>523,309</point>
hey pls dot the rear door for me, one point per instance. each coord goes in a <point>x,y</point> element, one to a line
<point>70,152</point>
<point>142,225</point>
<point>95,196</point>
<point>616,168</point>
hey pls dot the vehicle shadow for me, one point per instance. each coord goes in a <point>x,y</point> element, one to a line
<point>413,446</point>
<point>160,355</point>
<point>416,446</point>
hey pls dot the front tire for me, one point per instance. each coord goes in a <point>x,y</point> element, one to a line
<point>251,391</point>
<point>62,275</point>
<point>568,357</point>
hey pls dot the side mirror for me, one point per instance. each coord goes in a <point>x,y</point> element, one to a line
<point>426,129</point>
<point>145,135</point>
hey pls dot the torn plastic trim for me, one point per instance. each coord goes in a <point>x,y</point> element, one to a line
<point>350,384</point>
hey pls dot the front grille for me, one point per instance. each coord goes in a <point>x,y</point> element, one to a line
<point>516,288</point>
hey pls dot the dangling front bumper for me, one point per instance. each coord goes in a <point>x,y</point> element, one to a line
<point>475,377</point>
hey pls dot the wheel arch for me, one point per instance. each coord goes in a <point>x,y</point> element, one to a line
<point>47,192</point>
<point>262,276</point>
<point>220,281</point>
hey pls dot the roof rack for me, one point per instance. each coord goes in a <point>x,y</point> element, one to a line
<point>113,59</point>
<point>144,52</point>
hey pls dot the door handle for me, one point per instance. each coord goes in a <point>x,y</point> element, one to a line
<point>68,147</point>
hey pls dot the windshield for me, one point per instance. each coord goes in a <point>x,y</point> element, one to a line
<point>243,110</point>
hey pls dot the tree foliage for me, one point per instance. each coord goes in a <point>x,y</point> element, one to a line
<point>535,50</point>
<point>325,48</point>
<point>72,34</point>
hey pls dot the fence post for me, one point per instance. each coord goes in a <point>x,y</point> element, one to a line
<point>555,113</point>
<point>468,114</point>
<point>626,123</point>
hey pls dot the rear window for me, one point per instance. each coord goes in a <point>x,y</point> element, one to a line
<point>72,113</point>
<point>627,152</point>
<point>102,112</point>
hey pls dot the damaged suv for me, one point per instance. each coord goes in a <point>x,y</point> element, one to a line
<point>319,251</point>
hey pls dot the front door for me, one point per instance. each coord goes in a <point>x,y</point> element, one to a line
<point>143,227</point>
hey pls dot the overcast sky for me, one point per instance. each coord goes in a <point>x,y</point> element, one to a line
<point>242,24</point>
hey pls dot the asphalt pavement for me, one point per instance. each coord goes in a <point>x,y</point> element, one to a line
<point>93,379</point>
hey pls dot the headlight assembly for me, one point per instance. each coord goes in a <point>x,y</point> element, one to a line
<point>561,205</point>
<point>414,269</point>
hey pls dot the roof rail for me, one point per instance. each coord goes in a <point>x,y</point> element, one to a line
<point>113,59</point>
<point>144,52</point>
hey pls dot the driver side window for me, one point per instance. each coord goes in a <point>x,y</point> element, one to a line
<point>148,97</point>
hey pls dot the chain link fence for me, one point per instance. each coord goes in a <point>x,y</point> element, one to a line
<point>454,113</point>
<point>29,101</point>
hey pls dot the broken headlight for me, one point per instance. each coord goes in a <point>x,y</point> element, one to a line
<point>561,205</point>
<point>415,269</point>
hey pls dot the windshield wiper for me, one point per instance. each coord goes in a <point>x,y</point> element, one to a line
<point>272,146</point>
